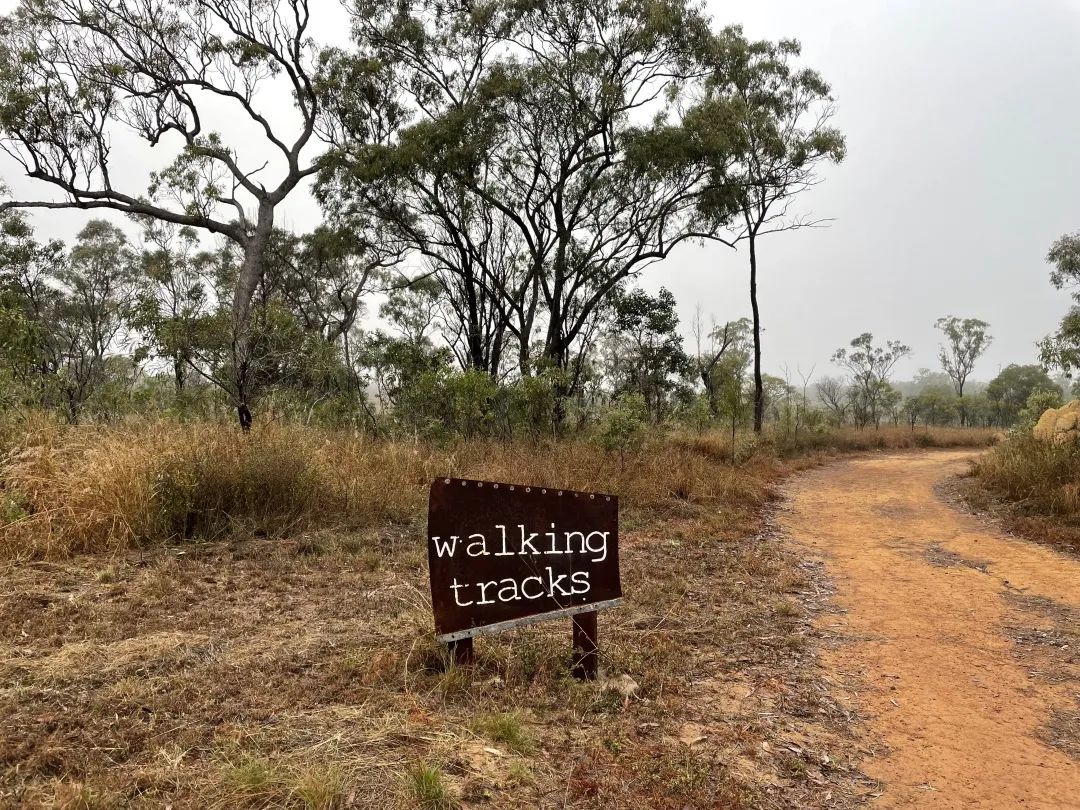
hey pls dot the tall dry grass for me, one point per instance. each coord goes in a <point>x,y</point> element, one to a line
<point>101,489</point>
<point>1034,486</point>
<point>1040,477</point>
<point>791,444</point>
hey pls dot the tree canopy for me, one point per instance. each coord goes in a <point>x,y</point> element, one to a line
<point>74,72</point>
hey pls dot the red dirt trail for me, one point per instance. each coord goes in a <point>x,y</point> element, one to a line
<point>930,595</point>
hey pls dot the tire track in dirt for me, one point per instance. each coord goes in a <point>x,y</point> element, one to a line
<point>924,653</point>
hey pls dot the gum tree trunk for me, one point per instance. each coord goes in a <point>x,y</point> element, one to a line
<point>251,271</point>
<point>759,390</point>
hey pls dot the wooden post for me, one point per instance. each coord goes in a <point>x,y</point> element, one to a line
<point>461,652</point>
<point>586,647</point>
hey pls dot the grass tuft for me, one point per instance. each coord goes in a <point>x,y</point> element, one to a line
<point>504,728</point>
<point>428,786</point>
<point>320,787</point>
<point>253,780</point>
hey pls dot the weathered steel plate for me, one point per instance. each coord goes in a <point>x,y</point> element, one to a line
<point>501,555</point>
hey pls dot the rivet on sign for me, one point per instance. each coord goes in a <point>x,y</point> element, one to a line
<point>591,497</point>
<point>560,492</point>
<point>448,480</point>
<point>543,492</point>
<point>479,483</point>
<point>464,483</point>
<point>608,498</point>
<point>511,489</point>
<point>495,485</point>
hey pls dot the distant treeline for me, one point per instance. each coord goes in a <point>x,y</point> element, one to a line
<point>107,328</point>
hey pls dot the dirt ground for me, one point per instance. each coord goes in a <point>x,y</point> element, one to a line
<point>958,645</point>
<point>301,673</point>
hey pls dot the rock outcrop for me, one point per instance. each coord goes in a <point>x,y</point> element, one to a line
<point>1059,425</point>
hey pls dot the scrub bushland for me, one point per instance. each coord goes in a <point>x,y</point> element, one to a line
<point>1034,486</point>
<point>198,618</point>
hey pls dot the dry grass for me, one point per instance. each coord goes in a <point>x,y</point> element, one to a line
<point>789,444</point>
<point>104,489</point>
<point>100,489</point>
<point>252,674</point>
<point>1034,486</point>
<point>250,627</point>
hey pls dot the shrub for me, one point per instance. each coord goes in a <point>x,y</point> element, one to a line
<point>1038,402</point>
<point>624,425</point>
<point>1041,477</point>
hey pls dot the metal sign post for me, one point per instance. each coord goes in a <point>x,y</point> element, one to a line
<point>506,555</point>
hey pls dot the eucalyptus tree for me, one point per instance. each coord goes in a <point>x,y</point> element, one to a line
<point>402,113</point>
<point>96,289</point>
<point>324,277</point>
<point>556,125</point>
<point>174,299</point>
<point>646,354</point>
<point>966,340</point>
<point>870,367</point>
<point>1062,348</point>
<point>709,359</point>
<point>779,115</point>
<point>28,298</point>
<point>76,73</point>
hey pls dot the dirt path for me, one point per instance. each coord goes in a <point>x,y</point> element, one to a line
<point>937,607</point>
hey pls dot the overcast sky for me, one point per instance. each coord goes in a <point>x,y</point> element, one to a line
<point>963,166</point>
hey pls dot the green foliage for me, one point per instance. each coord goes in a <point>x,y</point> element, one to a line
<point>1011,389</point>
<point>1038,402</point>
<point>623,427</point>
<point>65,316</point>
<point>428,786</point>
<point>1062,348</point>
<point>173,308</point>
<point>646,355</point>
<point>1064,255</point>
<point>699,415</point>
<point>529,404</point>
<point>936,406</point>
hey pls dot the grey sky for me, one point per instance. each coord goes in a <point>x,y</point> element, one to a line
<point>962,168</point>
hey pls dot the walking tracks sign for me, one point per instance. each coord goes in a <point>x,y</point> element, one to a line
<point>504,555</point>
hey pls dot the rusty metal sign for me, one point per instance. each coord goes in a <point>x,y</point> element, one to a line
<point>503,555</point>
